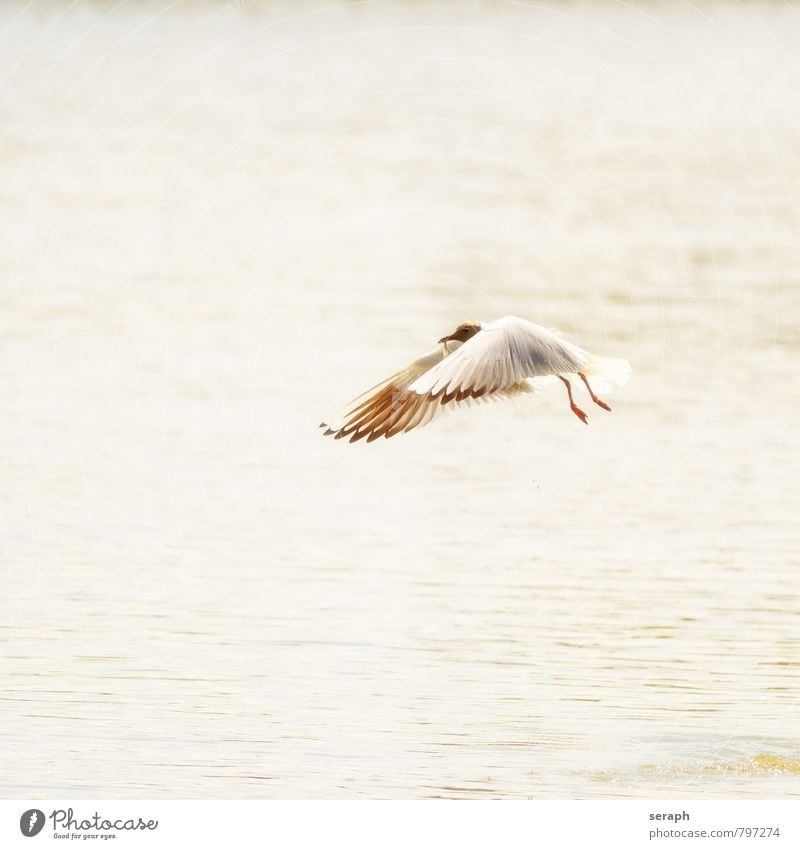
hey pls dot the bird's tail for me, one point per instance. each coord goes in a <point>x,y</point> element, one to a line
<point>609,370</point>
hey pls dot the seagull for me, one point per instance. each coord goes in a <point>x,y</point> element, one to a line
<point>478,361</point>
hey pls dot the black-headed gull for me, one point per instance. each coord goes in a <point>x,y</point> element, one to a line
<point>477,361</point>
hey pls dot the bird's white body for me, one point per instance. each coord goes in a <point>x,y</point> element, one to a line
<point>503,353</point>
<point>499,358</point>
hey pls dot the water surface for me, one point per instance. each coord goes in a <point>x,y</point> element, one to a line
<point>220,221</point>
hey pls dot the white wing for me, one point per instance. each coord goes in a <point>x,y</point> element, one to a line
<point>391,408</point>
<point>496,362</point>
<point>502,355</point>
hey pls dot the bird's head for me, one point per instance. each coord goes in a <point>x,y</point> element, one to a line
<point>464,331</point>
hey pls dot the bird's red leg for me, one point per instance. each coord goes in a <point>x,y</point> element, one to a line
<point>575,409</point>
<point>598,401</point>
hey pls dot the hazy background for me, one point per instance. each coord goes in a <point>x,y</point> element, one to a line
<point>219,221</point>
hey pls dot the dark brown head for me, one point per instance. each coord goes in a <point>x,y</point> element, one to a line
<point>463,332</point>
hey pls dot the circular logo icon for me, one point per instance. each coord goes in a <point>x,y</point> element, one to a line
<point>31,822</point>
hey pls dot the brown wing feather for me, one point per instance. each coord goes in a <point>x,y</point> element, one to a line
<point>389,408</point>
<point>381,403</point>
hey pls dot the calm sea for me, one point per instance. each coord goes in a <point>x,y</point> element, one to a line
<point>220,221</point>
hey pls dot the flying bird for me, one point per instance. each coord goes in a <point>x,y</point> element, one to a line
<point>478,361</point>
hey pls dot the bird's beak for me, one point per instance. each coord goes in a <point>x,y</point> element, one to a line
<point>445,339</point>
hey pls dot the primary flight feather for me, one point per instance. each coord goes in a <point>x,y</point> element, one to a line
<point>478,361</point>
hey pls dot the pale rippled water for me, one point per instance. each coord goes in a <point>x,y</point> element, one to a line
<point>221,221</point>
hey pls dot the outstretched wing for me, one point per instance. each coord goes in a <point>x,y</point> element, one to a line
<point>388,407</point>
<point>391,407</point>
<point>500,357</point>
